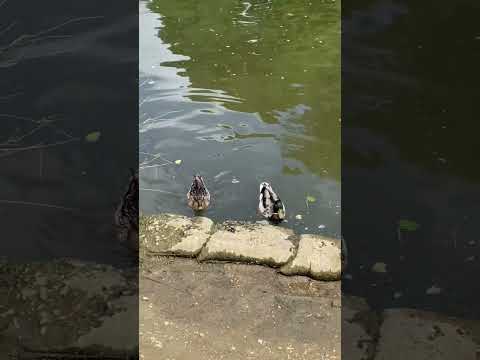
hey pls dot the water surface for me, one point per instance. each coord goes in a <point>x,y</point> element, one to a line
<point>409,131</point>
<point>75,73</point>
<point>241,92</point>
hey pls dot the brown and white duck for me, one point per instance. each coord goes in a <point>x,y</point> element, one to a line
<point>269,205</point>
<point>198,197</point>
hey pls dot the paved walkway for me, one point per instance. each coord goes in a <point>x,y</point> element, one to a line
<point>199,311</point>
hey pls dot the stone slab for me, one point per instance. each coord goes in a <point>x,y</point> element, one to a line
<point>114,329</point>
<point>358,325</point>
<point>174,234</point>
<point>64,306</point>
<point>252,243</point>
<point>418,335</point>
<point>318,257</point>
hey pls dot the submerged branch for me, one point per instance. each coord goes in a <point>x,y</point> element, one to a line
<point>153,166</point>
<point>160,191</point>
<point>37,36</point>
<point>8,152</point>
<point>28,203</point>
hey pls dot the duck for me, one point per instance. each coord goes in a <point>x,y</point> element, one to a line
<point>126,214</point>
<point>198,196</point>
<point>269,205</point>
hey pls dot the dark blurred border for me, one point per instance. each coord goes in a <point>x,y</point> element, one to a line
<point>410,185</point>
<point>68,139</point>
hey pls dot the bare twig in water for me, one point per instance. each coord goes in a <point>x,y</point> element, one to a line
<point>159,117</point>
<point>153,166</point>
<point>37,36</point>
<point>16,140</point>
<point>19,117</point>
<point>14,144</point>
<point>28,203</point>
<point>13,151</point>
<point>160,191</point>
<point>40,146</point>
<point>155,157</point>
<point>8,27</point>
<point>63,132</point>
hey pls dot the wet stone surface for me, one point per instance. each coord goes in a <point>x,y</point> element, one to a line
<point>251,243</point>
<point>174,234</point>
<point>47,306</point>
<point>317,257</point>
<point>232,241</point>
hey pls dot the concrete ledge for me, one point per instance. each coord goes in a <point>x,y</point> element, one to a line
<point>317,257</point>
<point>174,234</point>
<point>253,243</point>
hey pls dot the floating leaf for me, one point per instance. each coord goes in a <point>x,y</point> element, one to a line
<point>93,136</point>
<point>379,267</point>
<point>311,199</point>
<point>178,162</point>
<point>434,290</point>
<point>408,225</point>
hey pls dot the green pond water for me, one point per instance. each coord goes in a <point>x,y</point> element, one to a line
<point>242,92</point>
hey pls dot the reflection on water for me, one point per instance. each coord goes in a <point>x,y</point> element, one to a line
<point>64,75</point>
<point>407,103</point>
<point>242,92</point>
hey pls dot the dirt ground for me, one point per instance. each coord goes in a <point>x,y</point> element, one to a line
<point>191,310</point>
<point>199,311</point>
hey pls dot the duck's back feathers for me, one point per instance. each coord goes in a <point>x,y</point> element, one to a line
<point>198,196</point>
<point>126,215</point>
<point>265,200</point>
<point>269,204</point>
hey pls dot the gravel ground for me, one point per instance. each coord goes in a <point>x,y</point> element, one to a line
<point>192,310</point>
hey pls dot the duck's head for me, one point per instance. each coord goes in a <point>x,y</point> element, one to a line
<point>198,182</point>
<point>198,179</point>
